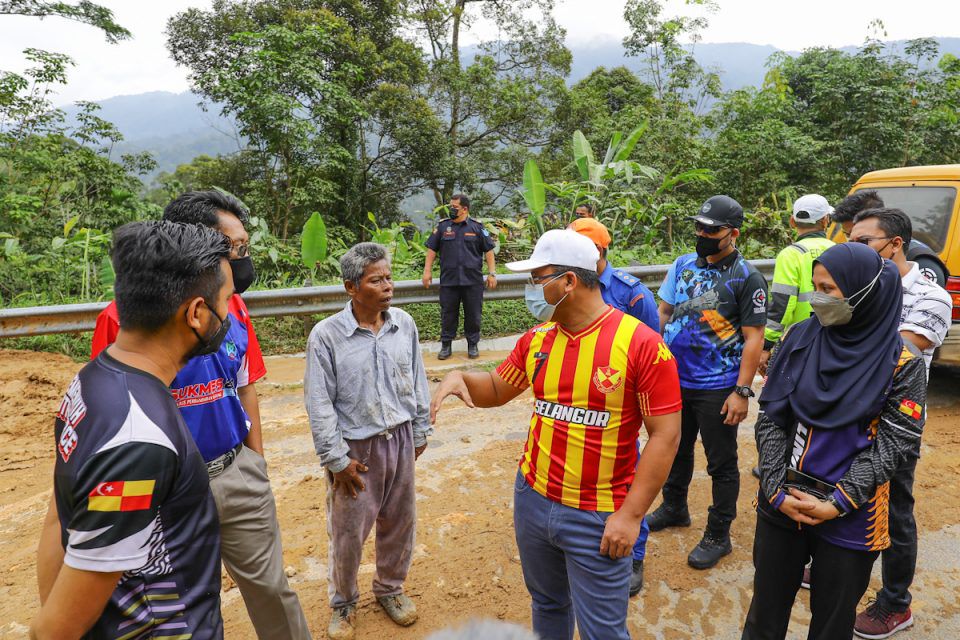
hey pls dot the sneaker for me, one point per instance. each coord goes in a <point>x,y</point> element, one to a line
<point>445,351</point>
<point>400,608</point>
<point>664,516</point>
<point>343,623</point>
<point>878,622</point>
<point>636,578</point>
<point>473,351</point>
<point>709,551</point>
<point>805,580</point>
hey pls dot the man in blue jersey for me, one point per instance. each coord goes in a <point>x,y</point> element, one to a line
<point>218,399</point>
<point>624,292</point>
<point>713,312</point>
<point>129,547</point>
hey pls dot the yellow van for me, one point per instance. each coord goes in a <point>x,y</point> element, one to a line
<point>929,195</point>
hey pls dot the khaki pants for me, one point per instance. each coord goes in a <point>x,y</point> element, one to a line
<point>251,549</point>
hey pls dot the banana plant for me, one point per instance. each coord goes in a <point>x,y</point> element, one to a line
<point>534,193</point>
<point>313,242</point>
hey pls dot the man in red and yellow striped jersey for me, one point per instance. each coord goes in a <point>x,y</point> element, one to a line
<point>580,494</point>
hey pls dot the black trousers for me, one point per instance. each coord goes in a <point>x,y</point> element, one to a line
<point>451,297</point>
<point>899,560</point>
<point>838,579</point>
<point>701,414</point>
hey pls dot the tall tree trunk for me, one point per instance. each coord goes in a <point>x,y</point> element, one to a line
<point>453,130</point>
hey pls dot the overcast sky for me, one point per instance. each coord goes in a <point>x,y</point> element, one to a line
<point>142,64</point>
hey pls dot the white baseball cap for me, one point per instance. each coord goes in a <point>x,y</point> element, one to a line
<point>560,247</point>
<point>810,208</point>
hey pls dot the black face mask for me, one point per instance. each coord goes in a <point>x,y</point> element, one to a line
<point>709,246</point>
<point>244,273</point>
<point>211,344</point>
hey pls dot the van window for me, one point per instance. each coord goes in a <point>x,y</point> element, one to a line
<point>929,209</point>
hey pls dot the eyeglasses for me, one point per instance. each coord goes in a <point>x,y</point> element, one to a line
<point>549,277</point>
<point>709,228</point>
<point>242,250</point>
<point>869,239</point>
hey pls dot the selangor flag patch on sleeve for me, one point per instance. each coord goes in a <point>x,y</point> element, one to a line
<point>122,495</point>
<point>911,408</point>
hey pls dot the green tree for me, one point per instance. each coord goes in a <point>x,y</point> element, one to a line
<point>85,12</point>
<point>826,117</point>
<point>320,90</point>
<point>495,102</point>
<point>59,189</point>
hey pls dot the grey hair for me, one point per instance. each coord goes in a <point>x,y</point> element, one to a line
<point>485,630</point>
<point>360,256</point>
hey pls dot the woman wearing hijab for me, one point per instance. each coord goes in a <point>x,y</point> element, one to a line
<point>841,408</point>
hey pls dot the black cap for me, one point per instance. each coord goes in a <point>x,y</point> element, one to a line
<point>720,211</point>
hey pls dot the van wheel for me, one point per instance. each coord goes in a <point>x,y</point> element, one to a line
<point>932,270</point>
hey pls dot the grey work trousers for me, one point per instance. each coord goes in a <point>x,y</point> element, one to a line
<point>389,500</point>
<point>251,549</point>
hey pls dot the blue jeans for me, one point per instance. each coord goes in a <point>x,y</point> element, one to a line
<point>564,571</point>
<point>640,547</point>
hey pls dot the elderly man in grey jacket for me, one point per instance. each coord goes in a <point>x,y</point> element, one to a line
<point>366,395</point>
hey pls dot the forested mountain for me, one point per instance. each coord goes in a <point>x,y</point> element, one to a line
<point>174,129</point>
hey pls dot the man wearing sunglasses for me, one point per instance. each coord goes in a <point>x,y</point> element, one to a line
<point>793,274</point>
<point>713,311</point>
<point>924,321</point>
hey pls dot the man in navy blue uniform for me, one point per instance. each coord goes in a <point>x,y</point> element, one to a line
<point>463,244</point>
<point>217,397</point>
<point>624,292</point>
<point>619,289</point>
<point>130,545</point>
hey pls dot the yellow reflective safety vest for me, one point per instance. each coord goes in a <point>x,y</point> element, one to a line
<point>793,284</point>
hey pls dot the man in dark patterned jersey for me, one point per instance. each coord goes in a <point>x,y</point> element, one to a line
<point>130,546</point>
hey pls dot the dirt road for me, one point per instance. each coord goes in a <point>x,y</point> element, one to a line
<point>466,562</point>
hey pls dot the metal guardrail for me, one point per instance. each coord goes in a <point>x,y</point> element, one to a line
<point>72,318</point>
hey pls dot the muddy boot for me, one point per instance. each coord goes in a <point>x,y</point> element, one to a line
<point>708,552</point>
<point>343,622</point>
<point>667,516</point>
<point>400,608</point>
<point>636,578</point>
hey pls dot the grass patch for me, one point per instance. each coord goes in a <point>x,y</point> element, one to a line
<point>73,345</point>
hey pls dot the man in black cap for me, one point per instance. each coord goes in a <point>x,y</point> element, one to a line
<point>712,315</point>
<point>463,244</point>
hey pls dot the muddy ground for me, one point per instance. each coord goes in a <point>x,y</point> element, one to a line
<point>466,562</point>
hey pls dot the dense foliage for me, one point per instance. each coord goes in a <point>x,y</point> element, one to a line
<point>354,112</point>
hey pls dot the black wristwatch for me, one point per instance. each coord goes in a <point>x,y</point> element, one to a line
<point>744,391</point>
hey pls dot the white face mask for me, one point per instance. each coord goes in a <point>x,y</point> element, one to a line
<point>536,302</point>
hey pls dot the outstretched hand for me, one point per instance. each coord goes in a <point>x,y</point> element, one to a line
<point>451,385</point>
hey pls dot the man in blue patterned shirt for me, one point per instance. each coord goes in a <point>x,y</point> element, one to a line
<point>713,312</point>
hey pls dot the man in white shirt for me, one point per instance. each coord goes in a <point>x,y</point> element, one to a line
<point>924,321</point>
